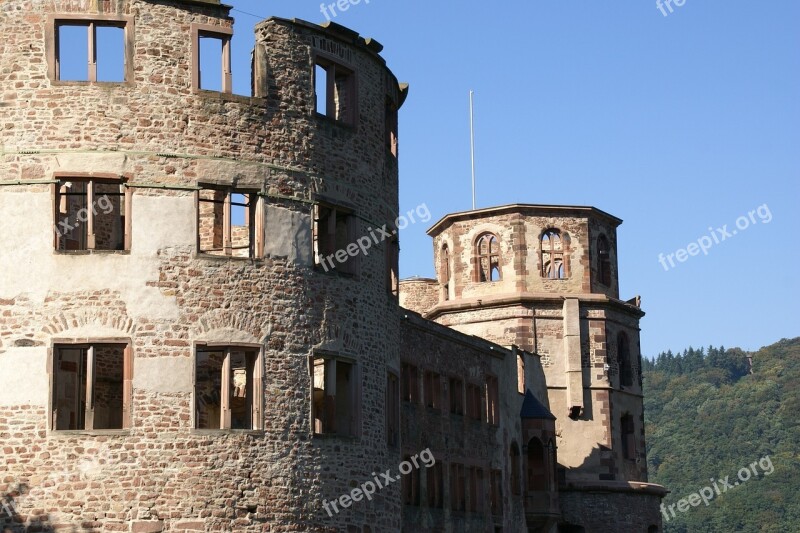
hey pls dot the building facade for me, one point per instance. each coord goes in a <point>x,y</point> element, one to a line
<point>544,279</point>
<point>195,335</point>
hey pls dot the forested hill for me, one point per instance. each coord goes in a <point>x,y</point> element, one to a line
<point>707,418</point>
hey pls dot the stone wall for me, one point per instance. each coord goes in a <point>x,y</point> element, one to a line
<point>634,509</point>
<point>455,438</point>
<point>162,298</point>
<point>419,294</point>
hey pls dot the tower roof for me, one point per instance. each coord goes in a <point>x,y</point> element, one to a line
<point>533,408</point>
<point>534,209</point>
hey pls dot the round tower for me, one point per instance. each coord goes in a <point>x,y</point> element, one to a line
<point>199,340</point>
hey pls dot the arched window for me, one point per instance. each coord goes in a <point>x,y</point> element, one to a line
<point>628,437</point>
<point>537,466</point>
<point>552,247</point>
<point>444,271</point>
<point>624,360</point>
<point>514,464</point>
<point>487,257</point>
<point>604,260</point>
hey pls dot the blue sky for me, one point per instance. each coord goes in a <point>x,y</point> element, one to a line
<point>674,124</point>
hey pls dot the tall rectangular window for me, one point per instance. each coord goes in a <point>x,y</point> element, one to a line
<point>475,478</point>
<point>334,235</point>
<point>410,383</point>
<point>458,494</point>
<point>230,222</point>
<point>456,389</point>
<point>91,386</point>
<point>90,49</point>
<point>496,492</point>
<point>91,214</point>
<point>334,403</point>
<point>393,267</point>
<point>392,410</point>
<point>493,400</point>
<point>432,388</point>
<point>335,91</point>
<point>410,484</point>
<point>228,388</point>
<point>211,58</point>
<point>435,486</point>
<point>391,129</point>
<point>475,403</point>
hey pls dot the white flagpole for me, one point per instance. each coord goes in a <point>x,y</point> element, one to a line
<point>472,142</point>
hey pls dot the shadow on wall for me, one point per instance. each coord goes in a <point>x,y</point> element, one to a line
<point>12,522</point>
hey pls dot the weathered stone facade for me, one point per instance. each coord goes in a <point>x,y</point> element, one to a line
<point>586,339</point>
<point>180,360</point>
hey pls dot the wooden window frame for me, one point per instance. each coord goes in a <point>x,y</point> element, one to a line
<point>333,68</point>
<point>458,489</point>
<point>92,22</point>
<point>409,383</point>
<point>331,426</point>
<point>256,221</point>
<point>432,390</point>
<point>434,485</point>
<point>492,400</point>
<point>325,246</point>
<point>215,32</point>
<point>474,476</point>
<point>457,404</point>
<point>475,401</point>
<point>91,178</point>
<point>257,408</point>
<point>90,345</point>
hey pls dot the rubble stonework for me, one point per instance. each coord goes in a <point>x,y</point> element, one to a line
<point>108,419</point>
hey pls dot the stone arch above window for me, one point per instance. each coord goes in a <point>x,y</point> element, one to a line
<point>537,466</point>
<point>554,254</point>
<point>487,258</point>
<point>604,260</point>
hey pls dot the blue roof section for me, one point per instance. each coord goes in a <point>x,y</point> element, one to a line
<point>533,408</point>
